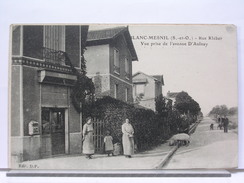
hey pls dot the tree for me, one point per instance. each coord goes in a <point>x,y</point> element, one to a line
<point>188,108</point>
<point>233,111</point>
<point>185,104</point>
<point>215,110</point>
<point>160,105</point>
<point>223,110</point>
<point>194,107</point>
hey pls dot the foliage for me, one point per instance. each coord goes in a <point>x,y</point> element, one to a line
<point>83,90</point>
<point>223,110</point>
<point>233,111</point>
<point>175,121</point>
<point>150,128</point>
<point>182,102</point>
<point>114,112</point>
<point>185,104</point>
<point>194,108</point>
<point>160,105</point>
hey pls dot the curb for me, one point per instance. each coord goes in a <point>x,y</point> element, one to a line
<point>163,162</point>
<point>193,128</point>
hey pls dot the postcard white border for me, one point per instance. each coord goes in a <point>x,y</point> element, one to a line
<point>146,11</point>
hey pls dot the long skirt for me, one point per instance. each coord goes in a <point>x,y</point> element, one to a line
<point>128,145</point>
<point>88,146</point>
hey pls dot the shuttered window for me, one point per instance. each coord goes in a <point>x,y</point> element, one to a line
<point>54,37</point>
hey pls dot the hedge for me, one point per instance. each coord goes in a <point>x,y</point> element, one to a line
<point>150,128</point>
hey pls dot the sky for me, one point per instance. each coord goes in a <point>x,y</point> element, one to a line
<point>207,72</point>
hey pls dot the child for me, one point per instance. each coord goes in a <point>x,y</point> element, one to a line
<point>211,126</point>
<point>108,142</point>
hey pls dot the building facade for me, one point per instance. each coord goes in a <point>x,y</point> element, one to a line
<point>109,55</point>
<point>44,122</point>
<point>146,89</point>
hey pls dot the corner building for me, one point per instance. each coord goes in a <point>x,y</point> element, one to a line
<point>44,122</point>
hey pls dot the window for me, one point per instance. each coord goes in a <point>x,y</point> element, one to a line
<point>52,120</point>
<point>127,69</point>
<point>140,89</point>
<point>116,61</point>
<point>54,42</point>
<point>45,121</point>
<point>116,89</point>
<point>54,37</point>
<point>126,94</point>
<point>127,66</point>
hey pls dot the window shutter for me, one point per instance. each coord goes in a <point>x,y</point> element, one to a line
<point>72,44</point>
<point>33,41</point>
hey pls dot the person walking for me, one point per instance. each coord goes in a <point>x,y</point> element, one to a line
<point>108,144</point>
<point>128,139</point>
<point>88,145</point>
<point>226,124</point>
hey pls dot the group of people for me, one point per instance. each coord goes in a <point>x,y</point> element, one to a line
<point>127,140</point>
<point>223,122</point>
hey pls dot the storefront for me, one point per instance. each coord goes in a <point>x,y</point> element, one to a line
<point>43,120</point>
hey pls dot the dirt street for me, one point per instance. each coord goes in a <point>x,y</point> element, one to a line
<point>208,149</point>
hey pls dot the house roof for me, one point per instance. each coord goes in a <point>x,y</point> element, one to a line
<point>109,33</point>
<point>96,37</point>
<point>172,94</point>
<point>158,78</point>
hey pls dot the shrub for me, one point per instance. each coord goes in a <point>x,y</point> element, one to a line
<point>150,129</point>
<point>147,126</point>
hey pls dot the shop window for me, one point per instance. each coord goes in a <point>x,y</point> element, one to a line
<point>52,120</point>
<point>57,121</point>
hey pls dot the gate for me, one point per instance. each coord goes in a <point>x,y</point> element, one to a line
<point>98,135</point>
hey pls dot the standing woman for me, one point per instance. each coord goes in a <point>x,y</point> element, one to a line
<point>128,139</point>
<point>88,146</point>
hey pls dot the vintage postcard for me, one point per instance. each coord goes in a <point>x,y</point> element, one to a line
<point>123,97</point>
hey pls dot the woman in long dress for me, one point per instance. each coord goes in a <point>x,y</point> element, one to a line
<point>88,145</point>
<point>128,139</point>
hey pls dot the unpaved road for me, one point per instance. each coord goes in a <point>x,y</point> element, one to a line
<point>208,149</point>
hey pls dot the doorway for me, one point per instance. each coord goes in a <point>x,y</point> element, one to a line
<point>53,131</point>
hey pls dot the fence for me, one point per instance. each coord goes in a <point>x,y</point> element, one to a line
<point>98,135</point>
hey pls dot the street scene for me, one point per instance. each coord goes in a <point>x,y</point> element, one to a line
<point>208,149</point>
<point>107,97</point>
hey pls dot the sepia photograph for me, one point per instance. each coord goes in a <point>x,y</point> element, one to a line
<point>123,97</point>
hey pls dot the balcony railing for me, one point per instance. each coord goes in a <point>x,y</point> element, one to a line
<point>53,56</point>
